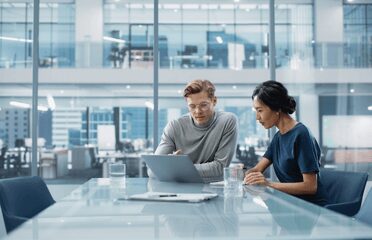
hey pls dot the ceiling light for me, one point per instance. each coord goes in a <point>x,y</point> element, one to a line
<point>111,39</point>
<point>370,108</point>
<point>51,102</point>
<point>15,39</point>
<point>283,6</point>
<point>19,104</point>
<point>26,105</point>
<point>149,6</point>
<point>42,108</point>
<point>127,87</point>
<point>171,6</point>
<point>227,6</point>
<point>219,39</point>
<point>149,104</point>
<point>247,7</point>
<point>190,6</point>
<point>352,90</point>
<point>234,87</point>
<point>209,6</point>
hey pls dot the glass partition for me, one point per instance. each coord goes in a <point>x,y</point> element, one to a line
<point>96,68</point>
<point>16,89</point>
<point>219,41</point>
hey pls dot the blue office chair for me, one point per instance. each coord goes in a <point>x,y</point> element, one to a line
<point>22,198</point>
<point>345,190</point>
<point>365,212</point>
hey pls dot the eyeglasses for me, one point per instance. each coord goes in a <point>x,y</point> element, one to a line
<point>204,106</point>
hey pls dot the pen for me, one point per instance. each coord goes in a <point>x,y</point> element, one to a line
<point>167,195</point>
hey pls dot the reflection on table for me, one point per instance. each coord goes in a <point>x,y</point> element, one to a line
<point>93,211</point>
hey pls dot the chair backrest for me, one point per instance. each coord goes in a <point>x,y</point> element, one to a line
<point>2,225</point>
<point>365,212</point>
<point>3,151</point>
<point>343,186</point>
<point>22,198</point>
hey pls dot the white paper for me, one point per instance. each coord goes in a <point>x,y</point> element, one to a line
<point>173,197</point>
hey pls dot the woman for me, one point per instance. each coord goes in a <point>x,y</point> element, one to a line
<point>293,151</point>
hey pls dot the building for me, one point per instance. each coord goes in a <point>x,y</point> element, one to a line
<point>98,54</point>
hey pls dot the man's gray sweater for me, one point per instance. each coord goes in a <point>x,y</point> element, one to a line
<point>210,147</point>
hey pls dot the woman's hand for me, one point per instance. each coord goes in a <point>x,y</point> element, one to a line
<point>254,177</point>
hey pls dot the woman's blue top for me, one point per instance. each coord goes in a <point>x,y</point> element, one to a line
<point>294,153</point>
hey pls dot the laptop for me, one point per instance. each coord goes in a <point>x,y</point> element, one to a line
<point>173,168</point>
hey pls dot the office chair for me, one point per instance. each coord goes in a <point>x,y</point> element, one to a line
<point>345,190</point>
<point>3,151</point>
<point>189,50</point>
<point>365,212</point>
<point>20,142</point>
<point>22,198</point>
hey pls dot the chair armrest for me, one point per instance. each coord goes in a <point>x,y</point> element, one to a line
<point>346,208</point>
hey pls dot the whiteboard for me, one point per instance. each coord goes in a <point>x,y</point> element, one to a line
<point>347,131</point>
<point>106,137</point>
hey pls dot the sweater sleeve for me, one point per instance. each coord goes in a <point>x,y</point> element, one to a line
<point>213,171</point>
<point>167,144</point>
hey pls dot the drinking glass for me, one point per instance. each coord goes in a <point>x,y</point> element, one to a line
<point>117,174</point>
<point>233,177</point>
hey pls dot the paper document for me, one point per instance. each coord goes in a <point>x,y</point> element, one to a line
<point>173,197</point>
<point>220,183</point>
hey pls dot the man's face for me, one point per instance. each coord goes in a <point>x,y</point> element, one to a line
<point>201,107</point>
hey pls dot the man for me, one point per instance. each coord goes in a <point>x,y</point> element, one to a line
<point>206,136</point>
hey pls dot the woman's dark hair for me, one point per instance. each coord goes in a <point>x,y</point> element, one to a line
<point>274,95</point>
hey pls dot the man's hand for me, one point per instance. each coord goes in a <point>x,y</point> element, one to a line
<point>178,152</point>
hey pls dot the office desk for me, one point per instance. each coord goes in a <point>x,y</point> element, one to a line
<point>192,60</point>
<point>92,212</point>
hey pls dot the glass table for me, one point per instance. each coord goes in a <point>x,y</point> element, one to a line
<point>98,210</point>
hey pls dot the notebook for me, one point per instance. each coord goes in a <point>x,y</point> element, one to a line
<point>173,168</point>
